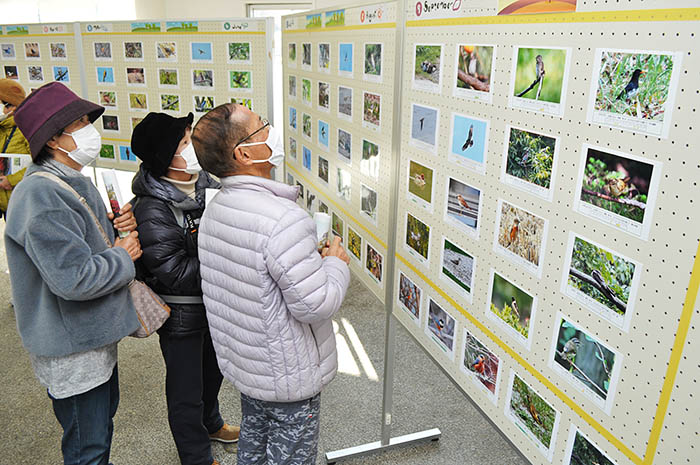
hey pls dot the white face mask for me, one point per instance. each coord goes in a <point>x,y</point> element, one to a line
<point>88,143</point>
<point>191,160</point>
<point>274,141</point>
<point>4,116</point>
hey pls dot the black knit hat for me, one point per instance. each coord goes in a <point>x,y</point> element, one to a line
<point>155,140</point>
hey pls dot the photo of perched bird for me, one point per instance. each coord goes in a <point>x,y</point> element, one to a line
<point>418,179</point>
<point>526,158</point>
<point>570,349</point>
<point>470,139</point>
<point>533,411</point>
<point>479,364</point>
<point>61,74</point>
<point>104,75</point>
<point>463,202</point>
<point>618,187</point>
<point>428,67</point>
<point>513,235</point>
<point>514,306</point>
<point>632,88</point>
<point>439,323</point>
<point>539,67</point>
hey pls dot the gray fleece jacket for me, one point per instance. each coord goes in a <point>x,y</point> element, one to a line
<point>69,288</point>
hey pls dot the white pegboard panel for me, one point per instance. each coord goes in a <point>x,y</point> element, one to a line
<point>628,434</point>
<point>361,25</point>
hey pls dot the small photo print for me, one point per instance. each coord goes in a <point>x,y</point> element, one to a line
<point>306,56</point>
<point>107,98</point>
<point>126,154</point>
<point>246,102</point>
<point>521,237</point>
<point>457,268</point>
<point>369,165</point>
<point>417,240</point>
<point>167,78</point>
<point>582,451</point>
<point>345,59</point>
<point>410,297</point>
<point>110,123</point>
<point>424,124</point>
<point>344,184</point>
<point>306,125</point>
<point>135,76</point>
<point>323,133</point>
<point>292,55</point>
<point>345,103</point>
<point>420,185</point>
<point>368,203</point>
<point>618,189</point>
<point>7,51</point>
<point>372,69</point>
<point>35,73</point>
<point>306,157</point>
<point>170,102</point>
<point>61,74</point>
<point>441,328</point>
<point>306,91</point>
<point>58,51</point>
<point>345,146</point>
<point>322,207</point>
<point>474,70</point>
<point>427,65</point>
<point>463,206</point>
<point>103,50</point>
<point>135,122</point>
<point>324,96</point>
<point>107,152</point>
<point>634,90</point>
<point>530,161</point>
<point>203,104</point>
<point>323,169</point>
<point>301,191</point>
<point>293,118</point>
<point>324,57</point>
<point>11,72</point>
<point>133,51</point>
<point>533,415</point>
<point>374,264</point>
<point>239,53</point>
<point>290,179</point>
<point>202,78</point>
<point>201,52</point>
<point>601,280</point>
<point>371,110</point>
<point>585,362</point>
<point>31,51</point>
<point>481,365</point>
<point>539,79</point>
<point>166,51</point>
<point>138,102</point>
<point>293,148</point>
<point>337,225</point>
<point>105,75</point>
<point>469,142</point>
<point>240,80</point>
<point>292,87</point>
<point>512,308</point>
<point>310,199</point>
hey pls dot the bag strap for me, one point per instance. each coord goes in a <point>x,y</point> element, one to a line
<point>7,142</point>
<point>69,188</point>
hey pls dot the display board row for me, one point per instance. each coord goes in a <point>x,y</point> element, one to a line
<point>132,68</point>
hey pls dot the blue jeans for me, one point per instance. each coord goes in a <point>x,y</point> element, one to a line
<point>87,423</point>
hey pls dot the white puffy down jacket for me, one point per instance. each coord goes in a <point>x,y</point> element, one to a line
<point>269,295</point>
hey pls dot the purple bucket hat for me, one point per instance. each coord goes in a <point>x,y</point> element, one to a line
<point>48,110</point>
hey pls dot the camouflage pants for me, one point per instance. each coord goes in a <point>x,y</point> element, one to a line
<point>275,433</point>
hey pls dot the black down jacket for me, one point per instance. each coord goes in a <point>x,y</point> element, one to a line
<point>170,264</point>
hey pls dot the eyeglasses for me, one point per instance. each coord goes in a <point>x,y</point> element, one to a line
<point>265,123</point>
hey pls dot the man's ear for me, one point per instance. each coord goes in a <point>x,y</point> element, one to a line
<point>53,143</point>
<point>242,156</point>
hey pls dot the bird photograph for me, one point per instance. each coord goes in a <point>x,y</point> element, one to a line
<point>238,51</point>
<point>474,67</point>
<point>110,123</point>
<point>354,244</point>
<point>202,78</point>
<point>369,165</point>
<point>345,64</point>
<point>306,125</point>
<point>36,73</point>
<point>585,359</point>
<point>138,101</point>
<point>133,50</point>
<point>344,184</point>
<point>31,50</point>
<point>203,104</point>
<point>135,76</point>
<point>322,167</point>
<point>636,85</point>
<point>306,90</point>
<point>292,53</point>
<point>521,233</point>
<point>463,204</point>
<point>103,50</point>
<point>532,411</point>
<point>11,72</point>
<point>368,202</point>
<point>531,157</point>
<point>409,295</point>
<point>539,74</point>
<point>372,108</point>
<point>345,145</point>
<point>617,183</point>
<point>417,235</point>
<point>323,94</point>
<point>374,263</point>
<point>108,99</point>
<point>511,304</point>
<point>8,50</point>
<point>601,275</point>
<point>107,151</point>
<point>60,73</point>
<point>479,360</point>
<point>292,118</point>
<point>420,181</point>
<point>470,139</point>
<point>306,54</point>
<point>292,86</point>
<point>239,79</point>
<point>324,56</point>
<point>166,50</point>
<point>169,102</point>
<point>427,64</point>
<point>585,452</point>
<point>457,266</point>
<point>441,324</point>
<point>373,59</point>
<point>424,124</point>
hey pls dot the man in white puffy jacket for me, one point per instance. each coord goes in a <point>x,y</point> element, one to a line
<point>269,293</point>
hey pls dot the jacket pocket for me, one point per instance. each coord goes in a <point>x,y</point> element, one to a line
<point>316,352</point>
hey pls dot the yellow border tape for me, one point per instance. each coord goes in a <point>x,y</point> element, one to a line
<point>165,33</point>
<point>343,28</point>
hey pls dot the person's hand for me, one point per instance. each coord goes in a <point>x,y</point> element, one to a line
<point>336,250</point>
<point>125,222</point>
<point>5,184</point>
<point>131,244</point>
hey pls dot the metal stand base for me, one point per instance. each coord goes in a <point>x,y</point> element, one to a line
<point>375,447</point>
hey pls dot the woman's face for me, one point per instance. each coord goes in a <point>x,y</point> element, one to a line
<point>177,161</point>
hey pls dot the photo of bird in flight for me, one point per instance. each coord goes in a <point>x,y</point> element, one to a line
<point>470,139</point>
